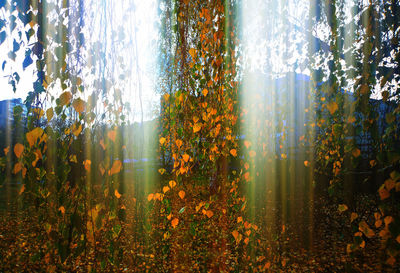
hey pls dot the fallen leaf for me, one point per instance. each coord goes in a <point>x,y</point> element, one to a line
<point>174,222</point>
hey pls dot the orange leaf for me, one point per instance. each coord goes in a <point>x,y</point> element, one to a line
<point>353,216</point>
<point>6,150</point>
<point>235,234</point>
<point>383,193</point>
<point>174,222</point>
<point>165,189</point>
<point>363,226</point>
<point>196,127</point>
<point>246,241</point>
<point>192,52</point>
<point>252,153</point>
<point>116,167</point>
<point>181,194</point>
<point>332,107</point>
<point>22,189</point>
<point>161,171</point>
<point>356,152</point>
<point>150,196</point>
<point>239,219</point>
<point>172,183</point>
<point>178,143</point>
<point>112,135</point>
<point>87,164</point>
<point>62,209</point>
<point>17,167</point>
<point>117,194</point>
<point>18,149</point>
<point>247,144</point>
<point>185,157</point>
<point>162,140</point>
<point>205,92</point>
<point>233,152</point>
<point>209,213</point>
<point>306,163</point>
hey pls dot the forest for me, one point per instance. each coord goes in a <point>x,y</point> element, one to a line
<point>199,136</point>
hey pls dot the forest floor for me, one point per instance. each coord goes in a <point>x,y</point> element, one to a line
<point>295,246</point>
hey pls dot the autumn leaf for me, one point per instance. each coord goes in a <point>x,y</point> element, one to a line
<point>185,157</point>
<point>116,167</point>
<point>6,150</point>
<point>117,194</point>
<point>22,189</point>
<point>353,216</point>
<point>172,183</point>
<point>364,228</point>
<point>161,171</point>
<point>247,144</point>
<point>165,189</point>
<point>356,152</point>
<point>79,105</point>
<point>205,92</point>
<point>178,143</point>
<point>65,98</point>
<point>87,164</point>
<point>112,135</point>
<point>162,140</point>
<point>34,135</point>
<point>233,152</point>
<point>62,209</point>
<point>174,222</point>
<point>342,208</point>
<point>209,213</point>
<point>49,114</point>
<point>192,53</point>
<point>306,163</point>
<point>150,197</point>
<point>383,193</point>
<point>17,167</point>
<point>76,130</point>
<point>181,194</point>
<point>332,107</point>
<point>18,150</point>
<point>197,127</point>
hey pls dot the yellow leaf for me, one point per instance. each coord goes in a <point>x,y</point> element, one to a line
<point>233,152</point>
<point>209,213</point>
<point>165,189</point>
<point>117,194</point>
<point>332,107</point>
<point>181,194</point>
<point>162,140</point>
<point>174,222</point>
<point>342,208</point>
<point>185,157</point>
<point>284,156</point>
<point>76,130</point>
<point>87,164</point>
<point>33,136</point>
<point>62,209</point>
<point>65,98</point>
<point>150,196</point>
<point>112,135</point>
<point>172,183</point>
<point>79,105</point>
<point>18,149</point>
<point>192,52</point>
<point>205,92</point>
<point>161,171</point>
<point>116,167</point>
<point>49,114</point>
<point>38,112</point>
<point>178,143</point>
<point>197,127</point>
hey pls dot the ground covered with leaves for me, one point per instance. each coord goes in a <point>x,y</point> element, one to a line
<point>199,233</point>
